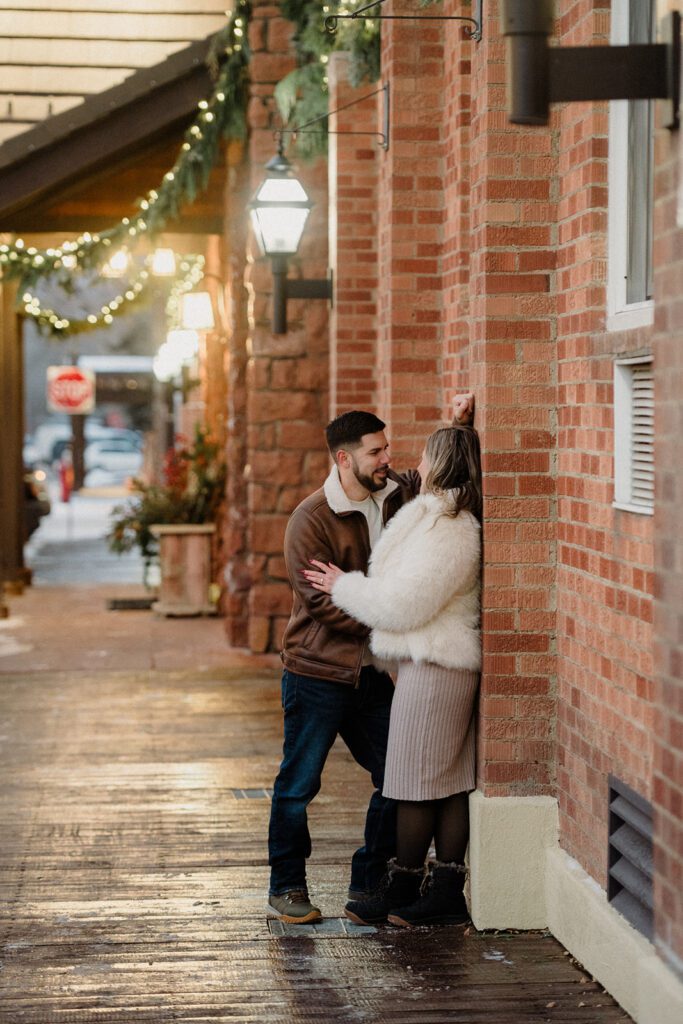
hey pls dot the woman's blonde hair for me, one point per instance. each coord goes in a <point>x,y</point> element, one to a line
<point>454,458</point>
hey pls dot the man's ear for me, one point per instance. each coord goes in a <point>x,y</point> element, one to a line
<point>342,459</point>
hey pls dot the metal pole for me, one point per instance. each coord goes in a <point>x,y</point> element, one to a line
<point>279,264</point>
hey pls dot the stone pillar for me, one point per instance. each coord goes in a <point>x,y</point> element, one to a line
<point>234,527</point>
<point>286,381</point>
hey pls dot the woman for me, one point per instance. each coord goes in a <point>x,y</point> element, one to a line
<point>421,599</point>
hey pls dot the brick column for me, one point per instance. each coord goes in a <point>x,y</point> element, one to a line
<point>668,620</point>
<point>453,321</point>
<point>287,375</point>
<point>353,171</point>
<point>513,349</point>
<point>512,371</point>
<point>411,217</point>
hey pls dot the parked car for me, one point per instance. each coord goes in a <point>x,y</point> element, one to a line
<point>36,500</point>
<point>51,438</point>
<point>111,460</point>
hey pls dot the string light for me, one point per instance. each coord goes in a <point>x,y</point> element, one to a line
<point>222,114</point>
<point>190,273</point>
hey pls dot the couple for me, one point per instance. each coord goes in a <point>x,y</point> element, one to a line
<point>415,603</point>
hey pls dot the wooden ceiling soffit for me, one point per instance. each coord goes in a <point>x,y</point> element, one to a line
<point>105,129</point>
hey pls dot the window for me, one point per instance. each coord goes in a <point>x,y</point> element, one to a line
<point>631,166</point>
<point>634,471</point>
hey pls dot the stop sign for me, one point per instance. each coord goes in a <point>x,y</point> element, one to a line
<point>70,389</point>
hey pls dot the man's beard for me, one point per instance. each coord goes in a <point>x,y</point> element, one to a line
<point>368,482</point>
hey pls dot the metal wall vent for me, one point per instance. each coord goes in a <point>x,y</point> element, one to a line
<point>629,887</point>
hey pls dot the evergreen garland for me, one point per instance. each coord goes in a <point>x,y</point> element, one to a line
<point>221,116</point>
<point>302,95</point>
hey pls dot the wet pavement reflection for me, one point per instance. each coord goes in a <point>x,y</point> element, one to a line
<point>133,871</point>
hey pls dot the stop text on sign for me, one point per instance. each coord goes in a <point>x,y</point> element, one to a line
<point>70,389</point>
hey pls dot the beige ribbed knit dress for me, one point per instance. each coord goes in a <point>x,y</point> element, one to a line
<point>431,750</point>
<point>421,598</point>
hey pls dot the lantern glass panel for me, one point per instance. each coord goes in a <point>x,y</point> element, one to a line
<point>279,229</point>
<point>281,190</point>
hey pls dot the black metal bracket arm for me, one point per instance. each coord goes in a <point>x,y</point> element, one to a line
<point>539,75</point>
<point>475,32</point>
<point>285,288</point>
<point>383,136</point>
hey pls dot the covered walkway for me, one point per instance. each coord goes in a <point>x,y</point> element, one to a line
<point>136,755</point>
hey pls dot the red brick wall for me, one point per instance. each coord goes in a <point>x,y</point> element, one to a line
<point>604,558</point>
<point>286,375</point>
<point>512,351</point>
<point>668,617</point>
<point>353,162</point>
<point>411,217</point>
<point>452,320</point>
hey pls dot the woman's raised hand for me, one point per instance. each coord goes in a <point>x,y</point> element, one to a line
<point>463,408</point>
<point>324,575</point>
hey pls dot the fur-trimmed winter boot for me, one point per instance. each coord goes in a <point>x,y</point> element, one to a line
<point>397,888</point>
<point>441,900</point>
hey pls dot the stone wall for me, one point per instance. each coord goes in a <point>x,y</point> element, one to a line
<point>286,375</point>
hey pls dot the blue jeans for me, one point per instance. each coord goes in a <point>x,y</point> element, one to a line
<point>316,711</point>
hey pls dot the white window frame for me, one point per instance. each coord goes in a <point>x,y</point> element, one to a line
<point>621,315</point>
<point>623,435</point>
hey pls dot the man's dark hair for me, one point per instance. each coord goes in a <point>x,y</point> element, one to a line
<point>347,430</point>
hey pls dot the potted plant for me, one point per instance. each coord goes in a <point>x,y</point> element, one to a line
<point>173,522</point>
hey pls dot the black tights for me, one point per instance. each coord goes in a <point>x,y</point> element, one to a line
<point>446,821</point>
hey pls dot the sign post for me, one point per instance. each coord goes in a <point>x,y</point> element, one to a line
<point>71,389</point>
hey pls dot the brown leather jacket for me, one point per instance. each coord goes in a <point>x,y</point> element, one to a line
<point>321,640</point>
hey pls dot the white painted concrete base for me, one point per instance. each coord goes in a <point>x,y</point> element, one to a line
<point>621,959</point>
<point>520,878</point>
<point>509,837</point>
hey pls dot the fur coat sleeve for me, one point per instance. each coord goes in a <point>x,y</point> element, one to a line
<point>421,595</point>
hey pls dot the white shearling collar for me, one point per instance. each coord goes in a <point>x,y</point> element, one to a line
<point>338,500</point>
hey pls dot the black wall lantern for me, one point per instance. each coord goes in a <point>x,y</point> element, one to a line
<point>279,212</point>
<point>539,75</point>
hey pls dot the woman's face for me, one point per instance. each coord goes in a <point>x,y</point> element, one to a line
<point>423,470</point>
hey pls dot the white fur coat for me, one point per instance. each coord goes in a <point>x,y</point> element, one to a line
<point>421,594</point>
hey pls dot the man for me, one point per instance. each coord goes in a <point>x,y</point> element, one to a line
<point>330,685</point>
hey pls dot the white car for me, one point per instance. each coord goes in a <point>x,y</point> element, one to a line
<point>111,460</point>
<point>51,437</point>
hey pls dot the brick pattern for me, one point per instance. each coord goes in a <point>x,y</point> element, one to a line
<point>605,558</point>
<point>489,246</point>
<point>411,217</point>
<point>286,375</point>
<point>668,610</point>
<point>453,321</point>
<point>353,164</point>
<point>512,200</point>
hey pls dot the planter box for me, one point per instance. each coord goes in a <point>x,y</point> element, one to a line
<point>185,561</point>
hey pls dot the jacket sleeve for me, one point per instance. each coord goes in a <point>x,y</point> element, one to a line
<point>438,564</point>
<point>411,480</point>
<point>305,539</point>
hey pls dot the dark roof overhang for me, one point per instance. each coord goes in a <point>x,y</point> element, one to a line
<point>111,129</point>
